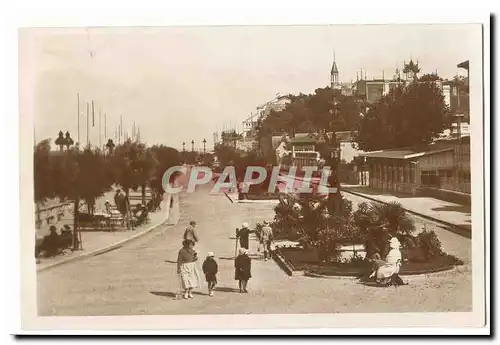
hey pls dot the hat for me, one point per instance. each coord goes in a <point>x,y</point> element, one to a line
<point>242,251</point>
<point>67,227</point>
<point>52,228</point>
<point>210,254</point>
<point>192,222</point>
<point>266,222</point>
<point>244,225</point>
<point>394,243</point>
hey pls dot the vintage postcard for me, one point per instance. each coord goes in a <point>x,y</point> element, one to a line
<point>252,177</point>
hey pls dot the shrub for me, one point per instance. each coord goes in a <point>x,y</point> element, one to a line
<point>430,244</point>
<point>379,222</point>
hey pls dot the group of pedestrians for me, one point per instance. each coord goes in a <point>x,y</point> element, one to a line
<point>187,260</point>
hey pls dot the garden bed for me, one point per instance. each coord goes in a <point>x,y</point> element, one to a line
<point>299,259</point>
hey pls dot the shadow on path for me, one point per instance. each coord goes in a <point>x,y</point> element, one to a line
<point>457,208</point>
<point>376,285</point>
<point>172,294</point>
<point>226,289</point>
<point>170,262</point>
<point>226,258</point>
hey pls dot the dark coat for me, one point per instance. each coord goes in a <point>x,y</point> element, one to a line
<point>243,267</point>
<point>190,234</point>
<point>210,268</point>
<point>243,235</point>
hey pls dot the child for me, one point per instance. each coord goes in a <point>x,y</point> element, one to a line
<point>243,266</point>
<point>210,269</point>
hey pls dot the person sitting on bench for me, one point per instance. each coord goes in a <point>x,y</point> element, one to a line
<point>51,242</point>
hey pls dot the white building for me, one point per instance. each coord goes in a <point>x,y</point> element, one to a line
<point>277,104</point>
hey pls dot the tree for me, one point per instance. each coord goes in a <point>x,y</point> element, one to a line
<point>407,116</point>
<point>379,222</point>
<point>80,175</point>
<point>166,157</point>
<point>130,166</point>
<point>146,166</point>
<point>43,172</point>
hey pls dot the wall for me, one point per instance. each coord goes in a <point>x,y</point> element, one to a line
<point>437,161</point>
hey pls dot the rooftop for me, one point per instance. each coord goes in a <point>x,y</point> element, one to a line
<point>402,153</point>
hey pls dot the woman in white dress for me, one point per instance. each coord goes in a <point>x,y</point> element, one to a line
<point>187,269</point>
<point>392,262</point>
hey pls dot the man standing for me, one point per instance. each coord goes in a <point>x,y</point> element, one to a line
<point>190,233</point>
<point>243,234</point>
<point>266,238</point>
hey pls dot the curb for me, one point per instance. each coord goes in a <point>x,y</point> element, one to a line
<point>104,249</point>
<point>421,275</point>
<point>450,226</point>
<point>287,268</point>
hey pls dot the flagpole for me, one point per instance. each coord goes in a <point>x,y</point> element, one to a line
<point>88,124</point>
<point>78,114</point>
<point>105,125</point>
<point>100,142</point>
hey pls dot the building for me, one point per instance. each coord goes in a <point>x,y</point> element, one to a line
<point>429,171</point>
<point>231,138</point>
<point>304,150</point>
<point>334,76</point>
<point>345,145</point>
<point>276,104</point>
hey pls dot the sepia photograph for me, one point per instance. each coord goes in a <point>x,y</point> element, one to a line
<point>252,171</point>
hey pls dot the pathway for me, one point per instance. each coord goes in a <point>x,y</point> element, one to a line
<point>140,278</point>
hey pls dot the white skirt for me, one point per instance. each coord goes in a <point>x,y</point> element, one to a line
<point>189,276</point>
<point>387,270</point>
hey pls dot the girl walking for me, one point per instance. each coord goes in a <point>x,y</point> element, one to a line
<point>210,269</point>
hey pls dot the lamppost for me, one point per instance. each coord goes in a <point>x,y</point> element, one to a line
<point>192,145</point>
<point>204,145</point>
<point>183,146</point>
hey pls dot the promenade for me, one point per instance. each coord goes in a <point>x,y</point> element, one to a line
<point>95,241</point>
<point>140,277</point>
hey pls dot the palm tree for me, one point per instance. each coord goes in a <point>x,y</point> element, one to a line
<point>60,141</point>
<point>380,222</point>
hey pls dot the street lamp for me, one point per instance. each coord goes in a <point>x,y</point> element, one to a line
<point>204,145</point>
<point>183,146</point>
<point>192,145</point>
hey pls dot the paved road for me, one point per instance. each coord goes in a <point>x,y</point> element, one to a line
<point>140,277</point>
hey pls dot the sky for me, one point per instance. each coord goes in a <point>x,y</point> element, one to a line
<point>180,84</point>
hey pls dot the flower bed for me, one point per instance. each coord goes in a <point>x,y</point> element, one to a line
<point>303,260</point>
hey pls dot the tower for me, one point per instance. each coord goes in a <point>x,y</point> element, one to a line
<point>334,75</point>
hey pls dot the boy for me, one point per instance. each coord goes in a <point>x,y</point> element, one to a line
<point>210,269</point>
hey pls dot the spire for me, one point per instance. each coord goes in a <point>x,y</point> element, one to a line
<point>335,70</point>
